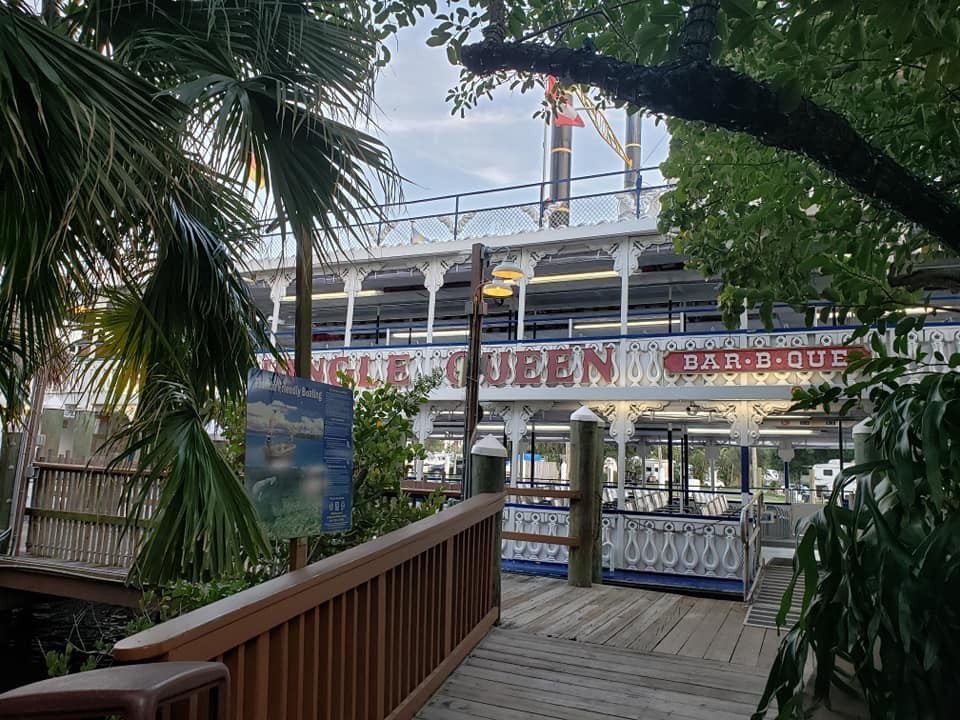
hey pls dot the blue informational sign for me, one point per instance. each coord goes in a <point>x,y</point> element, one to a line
<point>299,454</point>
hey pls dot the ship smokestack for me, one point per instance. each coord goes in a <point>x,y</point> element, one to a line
<point>561,149</point>
<point>632,147</point>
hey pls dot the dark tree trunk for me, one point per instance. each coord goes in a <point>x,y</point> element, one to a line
<point>699,30</point>
<point>698,90</point>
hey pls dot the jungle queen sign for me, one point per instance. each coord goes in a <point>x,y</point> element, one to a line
<point>564,365</point>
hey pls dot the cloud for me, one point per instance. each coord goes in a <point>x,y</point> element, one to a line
<point>499,143</point>
<point>404,122</point>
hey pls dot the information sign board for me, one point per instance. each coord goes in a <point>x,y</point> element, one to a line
<point>299,454</point>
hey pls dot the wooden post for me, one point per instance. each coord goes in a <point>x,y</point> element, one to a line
<point>9,454</point>
<point>597,512</point>
<point>298,553</point>
<point>302,346</point>
<point>488,461</point>
<point>586,468</point>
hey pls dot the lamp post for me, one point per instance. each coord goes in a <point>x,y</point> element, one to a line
<point>479,287</point>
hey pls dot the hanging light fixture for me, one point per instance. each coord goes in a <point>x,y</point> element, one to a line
<point>508,271</point>
<point>497,288</point>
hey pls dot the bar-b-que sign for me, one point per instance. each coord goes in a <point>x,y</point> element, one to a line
<point>772,360</point>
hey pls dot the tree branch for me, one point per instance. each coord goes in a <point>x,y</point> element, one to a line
<point>928,278</point>
<point>720,96</point>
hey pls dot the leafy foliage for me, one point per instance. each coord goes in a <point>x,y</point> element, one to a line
<point>772,225</point>
<point>78,164</point>
<point>877,573</point>
<point>231,416</point>
<point>60,663</point>
<point>182,596</point>
<point>776,227</point>
<point>127,132</point>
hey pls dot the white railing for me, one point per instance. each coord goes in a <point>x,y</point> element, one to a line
<point>669,544</point>
<point>495,212</point>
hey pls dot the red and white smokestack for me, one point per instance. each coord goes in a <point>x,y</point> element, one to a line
<point>631,146</point>
<point>561,150</point>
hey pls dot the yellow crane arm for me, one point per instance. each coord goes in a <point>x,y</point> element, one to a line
<point>603,127</point>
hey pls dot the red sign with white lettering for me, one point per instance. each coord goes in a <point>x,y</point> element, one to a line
<point>547,367</point>
<point>773,360</point>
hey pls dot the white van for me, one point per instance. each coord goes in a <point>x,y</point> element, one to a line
<point>824,476</point>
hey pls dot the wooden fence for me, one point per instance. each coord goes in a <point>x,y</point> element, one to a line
<point>77,513</point>
<point>369,633</point>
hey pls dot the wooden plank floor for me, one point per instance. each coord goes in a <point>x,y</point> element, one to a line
<point>606,652</point>
<point>641,620</point>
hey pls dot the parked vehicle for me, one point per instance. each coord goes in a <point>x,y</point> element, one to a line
<point>824,475</point>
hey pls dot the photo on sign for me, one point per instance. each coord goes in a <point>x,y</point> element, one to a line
<point>299,454</point>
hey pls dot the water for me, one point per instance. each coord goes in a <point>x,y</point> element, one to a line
<point>27,633</point>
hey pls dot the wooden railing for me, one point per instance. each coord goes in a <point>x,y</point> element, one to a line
<point>368,633</point>
<point>535,537</point>
<point>78,513</point>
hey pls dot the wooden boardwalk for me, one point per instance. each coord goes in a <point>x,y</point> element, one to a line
<point>609,652</point>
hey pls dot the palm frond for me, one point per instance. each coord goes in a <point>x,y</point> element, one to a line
<point>177,340</point>
<point>206,525</point>
<point>126,134</point>
<point>84,145</point>
<point>282,83</point>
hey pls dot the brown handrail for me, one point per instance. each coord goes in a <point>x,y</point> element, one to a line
<point>368,633</point>
<point>546,539</point>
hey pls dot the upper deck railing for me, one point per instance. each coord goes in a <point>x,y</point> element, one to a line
<point>496,212</point>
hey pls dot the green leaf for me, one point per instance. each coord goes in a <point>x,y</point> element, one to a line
<point>739,8</point>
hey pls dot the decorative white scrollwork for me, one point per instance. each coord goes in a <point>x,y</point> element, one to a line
<point>731,558</point>
<point>631,548</point>
<point>636,541</point>
<point>650,552</point>
<point>606,541</point>
<point>688,556</point>
<point>669,556</point>
<point>552,529</point>
<point>710,558</point>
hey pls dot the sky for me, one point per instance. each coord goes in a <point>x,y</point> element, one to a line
<point>498,143</point>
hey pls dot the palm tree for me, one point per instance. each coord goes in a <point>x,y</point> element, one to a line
<point>127,133</point>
